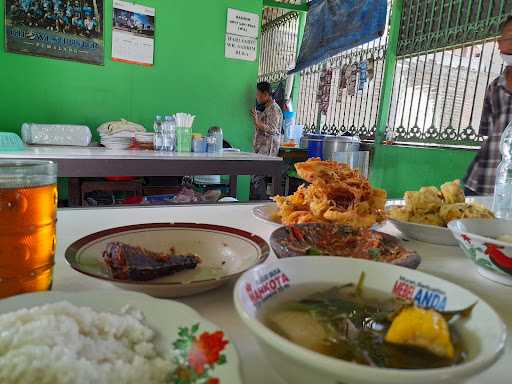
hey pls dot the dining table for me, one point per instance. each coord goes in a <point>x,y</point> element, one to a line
<point>94,161</point>
<point>446,262</point>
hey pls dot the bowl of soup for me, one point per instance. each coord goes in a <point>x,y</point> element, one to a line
<point>337,320</point>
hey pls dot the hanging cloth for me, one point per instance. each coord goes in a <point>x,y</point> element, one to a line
<point>334,26</point>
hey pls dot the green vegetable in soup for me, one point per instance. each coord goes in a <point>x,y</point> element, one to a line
<point>374,253</point>
<point>350,322</point>
<point>312,251</point>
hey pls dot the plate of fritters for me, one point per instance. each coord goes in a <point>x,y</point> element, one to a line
<point>335,194</point>
<point>427,212</point>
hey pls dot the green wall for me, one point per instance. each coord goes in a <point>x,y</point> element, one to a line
<point>399,168</point>
<point>190,75</point>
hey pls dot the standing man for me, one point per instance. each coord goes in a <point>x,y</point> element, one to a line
<point>496,115</point>
<point>268,120</point>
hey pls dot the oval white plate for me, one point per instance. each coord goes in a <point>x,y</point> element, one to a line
<point>225,252</point>
<point>426,233</point>
<point>266,212</point>
<point>430,233</point>
<point>164,316</point>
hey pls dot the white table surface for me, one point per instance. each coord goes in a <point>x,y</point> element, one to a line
<point>68,152</point>
<point>446,262</point>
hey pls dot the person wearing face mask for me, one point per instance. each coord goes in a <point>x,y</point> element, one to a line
<point>267,118</point>
<point>496,115</point>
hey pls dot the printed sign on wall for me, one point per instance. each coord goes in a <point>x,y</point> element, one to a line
<point>241,35</point>
<point>242,23</point>
<point>61,29</point>
<point>243,48</point>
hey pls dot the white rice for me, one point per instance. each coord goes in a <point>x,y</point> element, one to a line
<point>61,343</point>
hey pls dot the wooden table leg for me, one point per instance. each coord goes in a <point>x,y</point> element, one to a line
<point>277,185</point>
<point>74,195</point>
<point>233,183</point>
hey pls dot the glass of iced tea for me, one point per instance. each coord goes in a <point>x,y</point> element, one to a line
<point>28,208</point>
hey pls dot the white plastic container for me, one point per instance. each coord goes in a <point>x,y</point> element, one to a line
<point>56,134</point>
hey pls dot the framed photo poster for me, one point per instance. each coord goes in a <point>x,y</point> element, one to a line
<point>60,29</point>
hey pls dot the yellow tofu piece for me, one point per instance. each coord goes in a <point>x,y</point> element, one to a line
<point>422,328</point>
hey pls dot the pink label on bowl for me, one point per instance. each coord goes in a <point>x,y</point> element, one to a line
<point>267,285</point>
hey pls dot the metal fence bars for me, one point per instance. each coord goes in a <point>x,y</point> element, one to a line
<point>278,44</point>
<point>342,95</point>
<point>447,57</point>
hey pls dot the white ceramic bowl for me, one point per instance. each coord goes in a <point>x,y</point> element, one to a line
<point>477,238</point>
<point>484,332</point>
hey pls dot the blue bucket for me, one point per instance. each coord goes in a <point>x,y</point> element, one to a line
<point>315,146</point>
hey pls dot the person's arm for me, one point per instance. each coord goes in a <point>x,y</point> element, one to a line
<point>272,125</point>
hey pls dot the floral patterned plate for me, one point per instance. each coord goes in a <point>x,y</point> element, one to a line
<point>202,353</point>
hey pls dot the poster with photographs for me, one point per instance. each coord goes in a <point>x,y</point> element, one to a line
<point>61,29</point>
<point>133,33</point>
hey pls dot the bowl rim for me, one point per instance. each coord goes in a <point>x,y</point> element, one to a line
<point>73,248</point>
<point>452,225</point>
<point>427,226</point>
<point>335,366</point>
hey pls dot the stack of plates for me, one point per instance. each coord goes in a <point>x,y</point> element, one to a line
<point>144,137</point>
<point>121,140</point>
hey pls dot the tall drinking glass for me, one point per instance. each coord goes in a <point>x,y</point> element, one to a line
<point>28,206</point>
<point>359,160</point>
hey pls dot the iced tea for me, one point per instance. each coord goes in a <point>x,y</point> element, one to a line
<point>28,204</point>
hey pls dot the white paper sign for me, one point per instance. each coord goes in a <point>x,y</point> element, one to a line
<point>133,33</point>
<point>239,47</point>
<point>242,23</point>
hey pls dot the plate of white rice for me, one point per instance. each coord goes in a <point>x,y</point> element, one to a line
<point>108,337</point>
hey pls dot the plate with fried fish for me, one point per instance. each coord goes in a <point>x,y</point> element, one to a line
<point>167,260</point>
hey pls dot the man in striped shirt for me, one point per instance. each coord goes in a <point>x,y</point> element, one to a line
<point>496,115</point>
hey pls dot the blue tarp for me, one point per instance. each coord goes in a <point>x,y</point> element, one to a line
<point>333,26</point>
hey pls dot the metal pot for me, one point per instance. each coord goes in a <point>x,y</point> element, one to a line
<point>333,144</point>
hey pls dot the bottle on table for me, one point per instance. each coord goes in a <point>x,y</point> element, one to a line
<point>158,139</point>
<point>215,139</point>
<point>502,205</point>
<point>169,134</point>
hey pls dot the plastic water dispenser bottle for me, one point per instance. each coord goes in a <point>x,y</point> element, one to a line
<point>502,205</point>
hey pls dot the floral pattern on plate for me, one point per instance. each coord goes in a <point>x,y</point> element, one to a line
<point>197,355</point>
